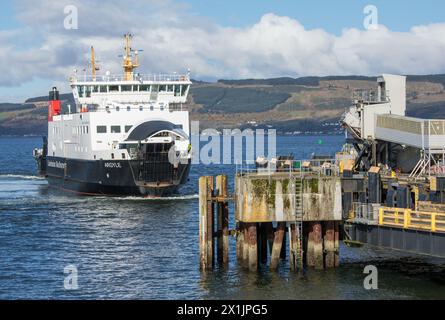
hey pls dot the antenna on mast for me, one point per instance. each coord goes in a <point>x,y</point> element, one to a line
<point>128,64</point>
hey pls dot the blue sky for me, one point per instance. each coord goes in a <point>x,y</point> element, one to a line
<point>333,16</point>
<point>7,20</point>
<point>220,39</point>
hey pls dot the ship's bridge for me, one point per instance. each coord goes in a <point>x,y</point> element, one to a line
<point>158,88</point>
<point>101,92</point>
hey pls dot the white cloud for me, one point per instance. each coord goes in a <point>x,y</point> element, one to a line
<point>174,40</point>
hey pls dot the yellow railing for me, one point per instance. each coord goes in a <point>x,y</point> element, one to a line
<point>409,219</point>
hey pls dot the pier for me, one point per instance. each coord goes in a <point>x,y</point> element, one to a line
<point>292,213</point>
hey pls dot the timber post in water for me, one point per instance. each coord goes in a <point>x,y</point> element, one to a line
<point>207,217</point>
<point>222,220</point>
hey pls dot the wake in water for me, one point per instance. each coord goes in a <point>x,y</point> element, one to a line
<point>10,177</point>
<point>20,176</point>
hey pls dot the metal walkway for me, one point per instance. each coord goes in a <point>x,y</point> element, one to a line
<point>414,132</point>
<point>419,232</point>
<point>426,135</point>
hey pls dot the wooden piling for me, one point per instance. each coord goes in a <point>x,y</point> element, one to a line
<point>222,220</point>
<point>277,244</point>
<point>283,246</point>
<point>314,255</point>
<point>245,256</point>
<point>210,223</point>
<point>203,224</point>
<point>293,248</point>
<point>270,235</point>
<point>262,243</point>
<point>329,244</point>
<point>336,244</point>
<point>239,240</point>
<point>253,249</point>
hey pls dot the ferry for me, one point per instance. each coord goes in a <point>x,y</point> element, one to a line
<point>128,134</point>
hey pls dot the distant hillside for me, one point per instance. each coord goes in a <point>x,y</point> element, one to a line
<point>427,111</point>
<point>7,107</point>
<point>236,100</point>
<point>301,105</point>
<point>303,81</point>
<point>315,81</point>
<point>63,96</point>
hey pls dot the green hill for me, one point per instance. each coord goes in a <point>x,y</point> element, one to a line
<point>307,104</point>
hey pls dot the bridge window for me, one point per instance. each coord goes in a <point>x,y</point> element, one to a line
<point>126,88</point>
<point>141,108</point>
<point>115,129</point>
<point>170,88</point>
<point>95,89</point>
<point>162,88</point>
<point>128,108</point>
<point>113,88</point>
<point>101,129</point>
<point>144,88</point>
<point>184,89</point>
<point>151,108</point>
<point>80,91</point>
<point>87,91</point>
<point>103,88</point>
<point>135,88</point>
<point>128,128</point>
<point>177,91</point>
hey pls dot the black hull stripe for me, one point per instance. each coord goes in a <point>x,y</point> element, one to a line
<point>110,178</point>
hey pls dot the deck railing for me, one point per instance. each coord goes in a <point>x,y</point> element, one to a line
<point>292,167</point>
<point>136,77</point>
<point>369,96</point>
<point>410,219</point>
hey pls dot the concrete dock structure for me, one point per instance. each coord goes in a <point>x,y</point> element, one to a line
<point>289,214</point>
